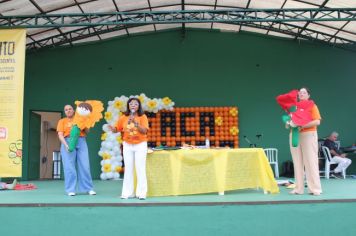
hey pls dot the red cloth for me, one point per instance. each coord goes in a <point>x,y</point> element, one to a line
<point>25,187</point>
<point>302,115</point>
<point>286,101</point>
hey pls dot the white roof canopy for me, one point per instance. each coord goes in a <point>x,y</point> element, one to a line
<point>335,32</point>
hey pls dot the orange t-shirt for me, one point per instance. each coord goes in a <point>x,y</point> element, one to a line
<point>315,114</point>
<point>130,133</point>
<point>65,125</point>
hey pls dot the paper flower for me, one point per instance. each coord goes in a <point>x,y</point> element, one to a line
<point>233,111</point>
<point>142,97</point>
<point>108,116</point>
<point>234,130</point>
<point>167,103</point>
<point>152,105</point>
<point>119,103</point>
<point>119,139</point>
<point>106,156</point>
<point>106,168</point>
<point>219,121</point>
<point>87,120</point>
<point>103,136</point>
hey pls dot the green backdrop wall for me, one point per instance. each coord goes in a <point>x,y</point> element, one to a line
<point>202,69</point>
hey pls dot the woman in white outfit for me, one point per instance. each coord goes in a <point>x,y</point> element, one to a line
<point>134,126</point>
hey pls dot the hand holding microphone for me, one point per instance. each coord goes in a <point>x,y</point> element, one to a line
<point>132,116</point>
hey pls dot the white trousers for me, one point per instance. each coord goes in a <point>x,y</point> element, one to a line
<point>135,158</point>
<point>343,163</point>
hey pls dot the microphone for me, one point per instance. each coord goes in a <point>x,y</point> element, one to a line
<point>249,142</point>
<point>132,114</point>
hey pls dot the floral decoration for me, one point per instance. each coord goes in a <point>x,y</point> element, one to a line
<point>233,111</point>
<point>15,153</point>
<point>234,130</point>
<point>219,121</point>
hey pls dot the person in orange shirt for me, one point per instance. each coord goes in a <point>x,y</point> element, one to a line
<point>133,126</point>
<point>305,155</point>
<point>75,164</point>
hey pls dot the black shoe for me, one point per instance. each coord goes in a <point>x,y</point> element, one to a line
<point>337,175</point>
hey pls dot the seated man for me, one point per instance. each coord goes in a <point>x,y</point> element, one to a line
<point>337,155</point>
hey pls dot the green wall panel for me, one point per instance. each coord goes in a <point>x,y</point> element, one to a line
<point>202,69</point>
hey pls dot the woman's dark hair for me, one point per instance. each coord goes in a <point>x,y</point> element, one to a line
<point>307,89</point>
<point>139,111</point>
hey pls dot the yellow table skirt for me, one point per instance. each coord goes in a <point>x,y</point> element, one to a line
<point>197,171</point>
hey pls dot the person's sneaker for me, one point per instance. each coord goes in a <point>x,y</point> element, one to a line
<point>92,192</point>
<point>123,197</point>
<point>71,194</point>
<point>13,185</point>
<point>337,175</point>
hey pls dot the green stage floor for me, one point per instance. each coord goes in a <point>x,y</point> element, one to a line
<point>52,193</point>
<point>48,211</point>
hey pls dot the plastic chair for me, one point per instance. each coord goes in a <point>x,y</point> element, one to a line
<point>329,162</point>
<point>272,155</point>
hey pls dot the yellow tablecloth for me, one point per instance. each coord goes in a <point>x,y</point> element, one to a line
<point>196,171</point>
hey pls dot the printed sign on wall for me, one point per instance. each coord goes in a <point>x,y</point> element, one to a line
<point>12,66</point>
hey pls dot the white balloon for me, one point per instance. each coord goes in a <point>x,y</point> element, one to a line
<point>116,149</point>
<point>106,128</point>
<point>109,175</point>
<point>106,144</point>
<point>111,138</point>
<point>116,176</point>
<point>103,176</point>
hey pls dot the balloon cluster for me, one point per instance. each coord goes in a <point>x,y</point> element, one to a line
<point>193,125</point>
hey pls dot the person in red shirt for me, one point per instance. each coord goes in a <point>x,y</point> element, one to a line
<point>133,126</point>
<point>305,155</point>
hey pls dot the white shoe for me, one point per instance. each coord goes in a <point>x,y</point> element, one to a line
<point>92,192</point>
<point>123,197</point>
<point>71,194</point>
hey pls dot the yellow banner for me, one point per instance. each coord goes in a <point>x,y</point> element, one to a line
<point>12,69</point>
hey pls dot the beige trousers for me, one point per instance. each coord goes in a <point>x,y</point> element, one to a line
<point>305,157</point>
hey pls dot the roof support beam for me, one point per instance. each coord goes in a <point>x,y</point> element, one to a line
<point>183,16</point>
<point>284,28</point>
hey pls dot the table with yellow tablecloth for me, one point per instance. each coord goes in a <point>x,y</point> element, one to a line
<point>179,172</point>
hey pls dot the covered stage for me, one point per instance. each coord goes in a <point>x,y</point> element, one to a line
<point>48,211</point>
